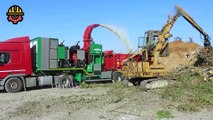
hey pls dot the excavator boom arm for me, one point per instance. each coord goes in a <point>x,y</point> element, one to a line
<point>187,17</point>
<point>163,37</point>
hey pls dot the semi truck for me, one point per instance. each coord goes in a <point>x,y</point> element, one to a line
<point>43,61</point>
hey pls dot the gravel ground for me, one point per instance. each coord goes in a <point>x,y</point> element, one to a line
<point>99,103</point>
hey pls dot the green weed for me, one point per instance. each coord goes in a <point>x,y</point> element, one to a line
<point>164,114</point>
<point>190,91</point>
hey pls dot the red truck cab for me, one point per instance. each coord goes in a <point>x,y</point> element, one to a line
<point>15,63</point>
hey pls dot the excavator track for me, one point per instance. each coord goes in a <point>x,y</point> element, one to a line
<point>154,83</point>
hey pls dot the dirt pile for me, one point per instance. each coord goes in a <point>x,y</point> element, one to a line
<point>181,47</point>
<point>180,54</point>
<point>189,57</point>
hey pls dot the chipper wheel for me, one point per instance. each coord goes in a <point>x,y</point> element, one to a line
<point>117,77</point>
<point>66,81</point>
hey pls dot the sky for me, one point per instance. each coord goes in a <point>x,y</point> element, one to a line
<point>67,19</point>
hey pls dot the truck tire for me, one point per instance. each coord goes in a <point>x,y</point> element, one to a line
<point>13,85</point>
<point>117,77</point>
<point>66,81</point>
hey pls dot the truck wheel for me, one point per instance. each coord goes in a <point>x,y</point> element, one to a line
<point>117,77</point>
<point>13,84</point>
<point>66,81</point>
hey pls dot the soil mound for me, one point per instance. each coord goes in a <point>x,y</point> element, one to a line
<point>182,47</point>
<point>180,54</point>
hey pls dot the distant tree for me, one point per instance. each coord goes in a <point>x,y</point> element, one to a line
<point>190,39</point>
<point>178,38</point>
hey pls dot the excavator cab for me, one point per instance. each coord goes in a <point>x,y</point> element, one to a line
<point>151,37</point>
<point>149,41</point>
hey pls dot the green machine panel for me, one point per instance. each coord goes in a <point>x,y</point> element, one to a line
<point>95,48</point>
<point>61,52</point>
<point>46,52</point>
<point>96,58</point>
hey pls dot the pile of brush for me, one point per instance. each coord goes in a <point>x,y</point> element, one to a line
<point>204,58</point>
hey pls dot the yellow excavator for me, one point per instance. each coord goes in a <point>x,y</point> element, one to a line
<point>143,67</point>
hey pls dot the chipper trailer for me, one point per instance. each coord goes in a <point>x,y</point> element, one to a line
<point>43,61</point>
